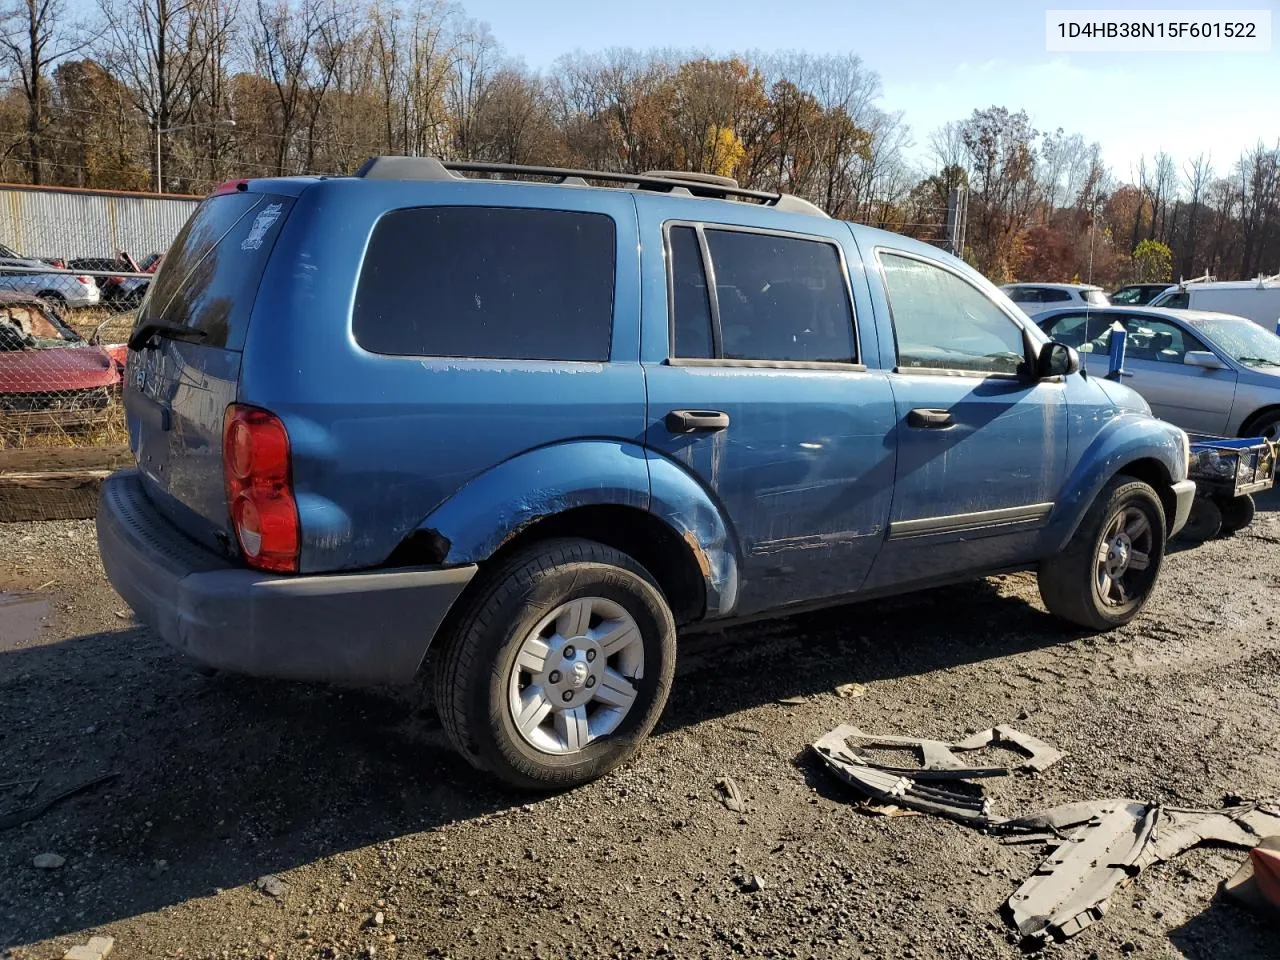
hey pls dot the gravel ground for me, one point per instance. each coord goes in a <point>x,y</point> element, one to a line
<point>385,844</point>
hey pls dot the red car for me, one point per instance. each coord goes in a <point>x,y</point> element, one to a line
<point>49,374</point>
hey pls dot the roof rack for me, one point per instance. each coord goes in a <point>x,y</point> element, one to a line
<point>676,183</point>
<point>1207,278</point>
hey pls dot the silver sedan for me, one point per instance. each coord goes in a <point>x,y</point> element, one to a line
<point>1210,373</point>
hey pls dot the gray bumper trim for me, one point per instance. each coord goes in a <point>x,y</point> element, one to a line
<point>364,628</point>
<point>1185,492</point>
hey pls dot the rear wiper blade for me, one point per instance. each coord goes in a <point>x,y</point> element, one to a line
<point>142,336</point>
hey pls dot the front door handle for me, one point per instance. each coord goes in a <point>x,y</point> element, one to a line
<point>929,419</point>
<point>687,421</point>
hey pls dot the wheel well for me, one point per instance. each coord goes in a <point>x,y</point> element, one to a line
<point>1153,473</point>
<point>1246,425</point>
<point>649,541</point>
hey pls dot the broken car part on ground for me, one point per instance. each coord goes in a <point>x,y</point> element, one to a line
<point>1099,845</point>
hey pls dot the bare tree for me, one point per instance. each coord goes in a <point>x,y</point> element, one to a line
<point>1198,174</point>
<point>160,49</point>
<point>34,37</point>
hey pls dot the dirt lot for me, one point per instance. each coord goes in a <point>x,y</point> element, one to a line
<point>354,801</point>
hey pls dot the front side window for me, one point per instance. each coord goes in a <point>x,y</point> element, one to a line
<point>488,282</point>
<point>943,322</point>
<point>1073,329</point>
<point>1094,298</point>
<point>1025,295</point>
<point>1129,295</point>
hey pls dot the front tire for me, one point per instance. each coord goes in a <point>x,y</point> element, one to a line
<point>1105,576</point>
<point>558,667</point>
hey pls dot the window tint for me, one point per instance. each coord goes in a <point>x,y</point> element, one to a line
<point>1176,301</point>
<point>1094,297</point>
<point>690,304</point>
<point>943,322</point>
<point>780,298</point>
<point>490,282</point>
<point>210,279</point>
<point>1051,295</point>
<point>1024,295</point>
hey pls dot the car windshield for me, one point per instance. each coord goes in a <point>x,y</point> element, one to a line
<point>1243,340</point>
<point>1095,297</point>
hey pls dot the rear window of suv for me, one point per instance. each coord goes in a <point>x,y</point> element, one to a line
<point>508,283</point>
<point>209,280</point>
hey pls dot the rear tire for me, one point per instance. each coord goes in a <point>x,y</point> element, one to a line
<point>1105,576</point>
<point>558,666</point>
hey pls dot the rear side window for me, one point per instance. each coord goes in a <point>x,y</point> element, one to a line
<point>690,300</point>
<point>210,277</point>
<point>488,282</point>
<point>773,298</point>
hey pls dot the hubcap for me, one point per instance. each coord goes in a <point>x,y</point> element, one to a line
<point>575,675</point>
<point>1124,558</point>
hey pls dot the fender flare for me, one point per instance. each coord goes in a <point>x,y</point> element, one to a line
<point>495,506</point>
<point>1127,439</point>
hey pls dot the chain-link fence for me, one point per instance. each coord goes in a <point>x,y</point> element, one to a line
<point>62,353</point>
<point>69,290</point>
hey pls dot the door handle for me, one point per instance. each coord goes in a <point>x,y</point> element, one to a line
<point>929,419</point>
<point>687,421</point>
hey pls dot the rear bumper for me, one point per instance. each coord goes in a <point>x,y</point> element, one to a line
<point>1184,492</point>
<point>364,628</point>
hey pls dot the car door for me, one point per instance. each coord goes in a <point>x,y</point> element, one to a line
<point>982,449</point>
<point>1195,398</point>
<point>756,387</point>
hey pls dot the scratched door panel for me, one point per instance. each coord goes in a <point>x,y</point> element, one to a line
<point>970,495</point>
<point>804,470</point>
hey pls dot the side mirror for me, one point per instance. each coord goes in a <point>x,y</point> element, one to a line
<point>1203,358</point>
<point>1057,360</point>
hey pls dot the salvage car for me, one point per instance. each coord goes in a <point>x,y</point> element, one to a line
<point>50,376</point>
<point>1034,298</point>
<point>509,435</point>
<point>1210,373</point>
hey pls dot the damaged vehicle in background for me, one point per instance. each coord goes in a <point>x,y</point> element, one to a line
<point>508,436</point>
<point>50,376</point>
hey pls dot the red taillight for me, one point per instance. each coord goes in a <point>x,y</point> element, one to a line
<point>256,471</point>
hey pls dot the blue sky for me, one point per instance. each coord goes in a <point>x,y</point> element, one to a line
<point>940,60</point>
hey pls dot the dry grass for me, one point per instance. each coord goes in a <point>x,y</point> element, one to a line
<point>103,428</point>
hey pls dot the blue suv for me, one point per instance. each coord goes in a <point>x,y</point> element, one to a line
<point>514,427</point>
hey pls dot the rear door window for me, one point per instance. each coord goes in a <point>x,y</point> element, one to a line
<point>209,280</point>
<point>488,282</point>
<point>781,298</point>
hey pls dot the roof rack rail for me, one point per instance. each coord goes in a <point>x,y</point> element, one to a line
<point>671,182</point>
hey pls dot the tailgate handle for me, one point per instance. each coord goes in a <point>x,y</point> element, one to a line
<point>929,419</point>
<point>687,421</point>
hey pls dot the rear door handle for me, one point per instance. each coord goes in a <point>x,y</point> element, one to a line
<point>929,419</point>
<point>687,421</point>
